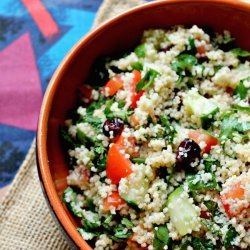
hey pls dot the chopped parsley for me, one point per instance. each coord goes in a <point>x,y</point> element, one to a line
<point>148,80</point>
<point>230,125</point>
<point>140,50</point>
<point>240,52</point>
<point>241,91</point>
<point>161,237</point>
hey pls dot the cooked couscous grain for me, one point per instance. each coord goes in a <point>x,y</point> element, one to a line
<point>160,154</point>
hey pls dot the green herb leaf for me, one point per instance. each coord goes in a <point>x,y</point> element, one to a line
<point>162,234</point>
<point>121,104</point>
<point>95,105</point>
<point>230,237</point>
<point>91,220</point>
<point>228,39</point>
<point>202,244</point>
<point>83,138</point>
<point>67,140</point>
<point>122,232</point>
<point>211,226</point>
<point>217,68</point>
<point>185,61</point>
<point>225,44</point>
<point>212,206</point>
<point>107,111</point>
<point>161,237</point>
<point>147,81</point>
<point>107,222</point>
<point>241,108</point>
<point>137,66</point>
<point>240,52</point>
<point>86,235</point>
<point>196,183</point>
<point>139,160</point>
<point>208,119</point>
<point>170,131</point>
<point>209,162</point>
<point>96,122</point>
<point>90,204</point>
<point>158,244</point>
<point>231,125</point>
<point>241,91</point>
<point>192,48</point>
<point>70,199</point>
<point>243,127</point>
<point>127,223</point>
<point>123,114</point>
<point>140,50</point>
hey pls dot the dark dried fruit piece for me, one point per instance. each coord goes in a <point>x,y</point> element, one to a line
<point>113,127</point>
<point>187,152</point>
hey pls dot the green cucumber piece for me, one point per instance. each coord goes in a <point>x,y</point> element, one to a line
<point>137,185</point>
<point>182,212</point>
<point>198,105</point>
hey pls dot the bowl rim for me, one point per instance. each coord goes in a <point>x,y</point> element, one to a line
<point>41,139</point>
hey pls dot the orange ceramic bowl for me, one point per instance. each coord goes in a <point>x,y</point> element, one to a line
<point>118,34</point>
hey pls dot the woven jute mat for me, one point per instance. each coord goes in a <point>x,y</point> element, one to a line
<point>25,219</point>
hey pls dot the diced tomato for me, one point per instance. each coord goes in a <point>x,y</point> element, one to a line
<point>121,141</point>
<point>113,85</point>
<point>128,145</point>
<point>86,92</point>
<point>199,136</point>
<point>113,200</point>
<point>201,49</point>
<point>232,196</point>
<point>134,121</point>
<point>118,166</point>
<point>135,96</point>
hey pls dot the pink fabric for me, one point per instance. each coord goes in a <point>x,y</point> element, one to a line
<point>20,89</point>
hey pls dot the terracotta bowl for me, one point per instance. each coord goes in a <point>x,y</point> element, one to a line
<point>118,34</point>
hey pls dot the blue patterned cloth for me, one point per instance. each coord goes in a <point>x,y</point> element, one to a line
<point>34,37</point>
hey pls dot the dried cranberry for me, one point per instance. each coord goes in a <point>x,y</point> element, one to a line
<point>114,125</point>
<point>187,152</point>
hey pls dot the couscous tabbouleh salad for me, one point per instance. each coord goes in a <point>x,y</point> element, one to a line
<point>160,153</point>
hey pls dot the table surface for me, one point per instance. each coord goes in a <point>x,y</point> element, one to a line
<point>34,37</point>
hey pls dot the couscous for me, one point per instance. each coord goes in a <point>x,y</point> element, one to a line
<point>159,153</point>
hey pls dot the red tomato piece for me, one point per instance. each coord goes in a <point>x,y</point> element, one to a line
<point>134,121</point>
<point>135,96</point>
<point>113,200</point>
<point>113,85</point>
<point>230,198</point>
<point>199,136</point>
<point>86,92</point>
<point>118,166</point>
<point>128,145</point>
<point>201,49</point>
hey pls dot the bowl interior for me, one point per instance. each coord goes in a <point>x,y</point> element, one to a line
<point>120,34</point>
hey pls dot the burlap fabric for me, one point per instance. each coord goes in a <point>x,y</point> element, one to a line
<point>25,219</point>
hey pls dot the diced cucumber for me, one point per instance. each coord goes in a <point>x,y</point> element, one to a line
<point>134,187</point>
<point>198,105</point>
<point>182,212</point>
